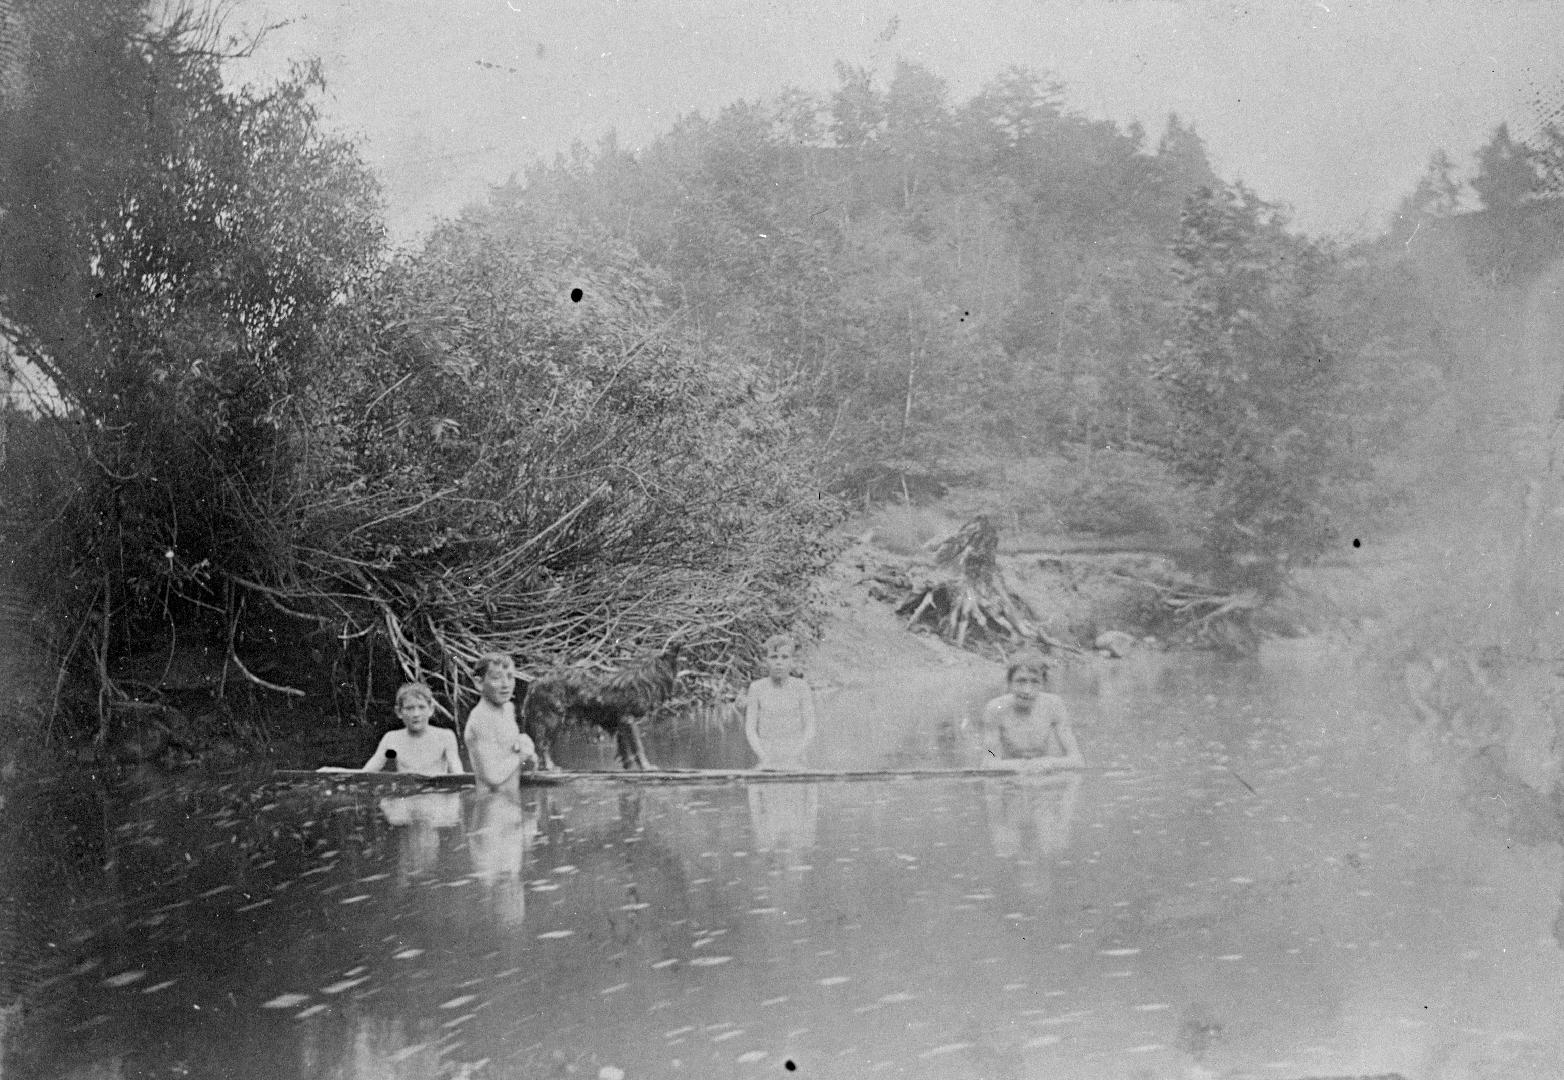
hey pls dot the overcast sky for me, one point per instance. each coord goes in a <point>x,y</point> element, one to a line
<point>1331,107</point>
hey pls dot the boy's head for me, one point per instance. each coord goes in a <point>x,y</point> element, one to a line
<point>496,677</point>
<point>1027,676</point>
<point>779,655</point>
<point>414,706</point>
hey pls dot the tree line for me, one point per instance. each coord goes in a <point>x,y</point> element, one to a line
<point>626,396</point>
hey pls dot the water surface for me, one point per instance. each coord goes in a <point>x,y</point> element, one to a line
<point>1256,881</point>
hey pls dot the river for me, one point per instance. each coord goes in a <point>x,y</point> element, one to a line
<point>1257,878</point>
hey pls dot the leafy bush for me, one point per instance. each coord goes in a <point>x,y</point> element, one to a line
<point>503,467</point>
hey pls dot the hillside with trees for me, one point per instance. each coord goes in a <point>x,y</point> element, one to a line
<point>626,398</point>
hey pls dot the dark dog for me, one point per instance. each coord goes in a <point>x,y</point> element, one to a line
<point>614,702</point>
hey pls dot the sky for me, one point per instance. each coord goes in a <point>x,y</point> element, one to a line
<point>1328,106</point>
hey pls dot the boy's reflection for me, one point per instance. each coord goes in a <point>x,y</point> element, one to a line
<point>418,819</point>
<point>783,815</point>
<point>503,828</point>
<point>1031,815</point>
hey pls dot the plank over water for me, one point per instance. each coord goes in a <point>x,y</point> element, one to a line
<point>665,776</point>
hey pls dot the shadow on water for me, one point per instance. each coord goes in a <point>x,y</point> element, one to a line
<point>1259,882</point>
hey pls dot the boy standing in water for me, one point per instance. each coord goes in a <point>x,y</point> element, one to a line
<point>1029,724</point>
<point>779,713</point>
<point>418,747</point>
<point>494,741</point>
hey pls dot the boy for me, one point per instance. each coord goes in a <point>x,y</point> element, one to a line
<point>779,714</point>
<point>418,747</point>
<point>1029,724</point>
<point>495,742</point>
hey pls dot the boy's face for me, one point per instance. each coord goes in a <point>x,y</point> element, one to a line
<point>779,661</point>
<point>1026,685</point>
<point>415,711</point>
<point>498,684</point>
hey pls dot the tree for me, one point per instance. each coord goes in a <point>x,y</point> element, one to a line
<point>1253,381</point>
<point>1506,172</point>
<point>173,247</point>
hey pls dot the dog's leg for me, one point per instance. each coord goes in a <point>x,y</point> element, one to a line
<point>632,750</point>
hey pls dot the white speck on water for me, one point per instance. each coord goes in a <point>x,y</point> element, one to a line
<point>1230,957</point>
<point>726,1035</point>
<point>285,1001</point>
<point>709,961</point>
<point>610,1072</point>
<point>1241,880</point>
<point>305,1014</point>
<point>408,954</point>
<point>773,1001</point>
<point>676,1032</point>
<point>458,1021</point>
<point>555,935</point>
<point>124,978</point>
<point>160,986</point>
<point>1037,1042</point>
<point>897,998</point>
<point>614,989</point>
<point>835,980</point>
<point>751,1056</point>
<point>1117,952</point>
<point>566,869</point>
<point>1145,1048</point>
<point>660,964</point>
<point>343,985</point>
<point>355,899</point>
<point>947,1048</point>
<point>1156,1006</point>
<point>458,1002</point>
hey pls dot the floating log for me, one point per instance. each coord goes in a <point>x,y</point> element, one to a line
<point>674,776</point>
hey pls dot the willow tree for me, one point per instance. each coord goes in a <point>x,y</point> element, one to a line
<point>172,248</point>
<point>1254,383</point>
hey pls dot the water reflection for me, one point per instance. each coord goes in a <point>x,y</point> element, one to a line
<point>419,820</point>
<point>504,826</point>
<point>1269,889</point>
<point>783,816</point>
<point>1031,815</point>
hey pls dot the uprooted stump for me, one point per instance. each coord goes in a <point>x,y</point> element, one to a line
<point>973,600</point>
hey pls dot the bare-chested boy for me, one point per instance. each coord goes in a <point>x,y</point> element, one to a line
<point>418,747</point>
<point>494,741</point>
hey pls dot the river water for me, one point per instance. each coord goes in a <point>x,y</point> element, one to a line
<point>1256,879</point>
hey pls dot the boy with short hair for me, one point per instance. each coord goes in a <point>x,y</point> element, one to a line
<point>1029,724</point>
<point>417,747</point>
<point>779,712</point>
<point>494,740</point>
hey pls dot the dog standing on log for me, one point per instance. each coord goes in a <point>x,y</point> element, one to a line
<point>614,702</point>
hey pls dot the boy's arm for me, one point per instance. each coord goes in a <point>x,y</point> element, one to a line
<point>1072,758</point>
<point>452,755</point>
<point>752,721</point>
<point>529,750</point>
<point>377,761</point>
<point>806,706</point>
<point>1072,750</point>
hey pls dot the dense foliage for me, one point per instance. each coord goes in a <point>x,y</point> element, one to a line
<point>1255,385</point>
<point>926,283</point>
<point>172,248</point>
<point>277,442</point>
<point>598,411</point>
<point>502,466</point>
